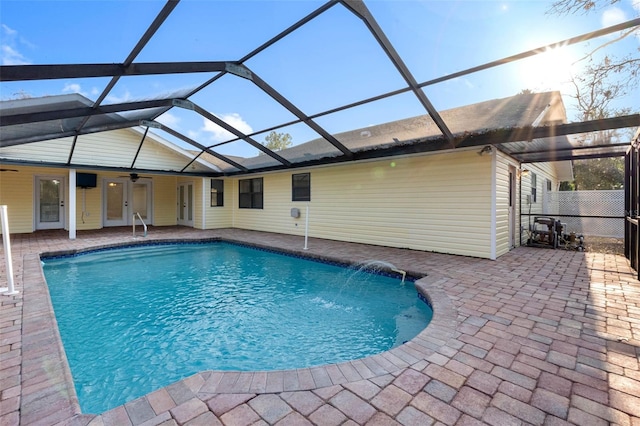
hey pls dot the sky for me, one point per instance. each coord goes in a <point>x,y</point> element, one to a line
<point>331,61</point>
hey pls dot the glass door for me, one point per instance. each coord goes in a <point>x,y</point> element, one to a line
<point>116,203</point>
<point>185,204</point>
<point>123,199</point>
<point>140,194</point>
<point>49,202</point>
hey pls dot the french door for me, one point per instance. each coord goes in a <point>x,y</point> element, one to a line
<point>185,204</point>
<point>123,199</point>
<point>49,202</point>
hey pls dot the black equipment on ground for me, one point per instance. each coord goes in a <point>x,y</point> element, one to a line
<point>551,233</point>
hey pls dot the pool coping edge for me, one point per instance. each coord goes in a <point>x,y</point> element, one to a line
<point>209,383</point>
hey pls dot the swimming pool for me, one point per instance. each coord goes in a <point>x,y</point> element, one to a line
<point>136,319</point>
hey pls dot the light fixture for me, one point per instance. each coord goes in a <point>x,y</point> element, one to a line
<point>487,148</point>
<point>525,172</point>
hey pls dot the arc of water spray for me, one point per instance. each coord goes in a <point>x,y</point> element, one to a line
<point>388,265</point>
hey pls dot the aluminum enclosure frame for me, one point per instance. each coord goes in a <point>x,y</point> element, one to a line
<point>500,137</point>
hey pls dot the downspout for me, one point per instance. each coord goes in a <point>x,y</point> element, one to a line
<point>494,198</point>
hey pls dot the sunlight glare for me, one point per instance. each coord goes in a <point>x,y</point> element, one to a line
<point>550,70</point>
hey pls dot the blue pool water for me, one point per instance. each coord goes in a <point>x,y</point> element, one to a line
<point>136,319</point>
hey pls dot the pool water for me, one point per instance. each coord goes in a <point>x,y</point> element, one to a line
<point>136,319</point>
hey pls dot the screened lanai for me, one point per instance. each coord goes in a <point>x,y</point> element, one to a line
<point>342,80</point>
<point>270,71</point>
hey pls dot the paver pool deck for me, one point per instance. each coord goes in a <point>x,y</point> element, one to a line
<point>538,336</point>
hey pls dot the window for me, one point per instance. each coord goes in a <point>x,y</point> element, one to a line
<point>548,185</point>
<point>534,185</point>
<point>301,187</point>
<point>511,185</point>
<point>217,192</point>
<point>251,193</point>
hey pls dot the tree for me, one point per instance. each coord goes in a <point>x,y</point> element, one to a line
<point>602,81</point>
<point>626,68</point>
<point>570,7</point>
<point>593,92</point>
<point>599,173</point>
<point>277,141</point>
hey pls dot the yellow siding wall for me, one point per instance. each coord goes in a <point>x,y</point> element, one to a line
<point>164,200</point>
<point>112,148</point>
<point>198,218</point>
<point>16,192</point>
<point>220,217</point>
<point>92,217</point>
<point>119,147</point>
<point>108,148</point>
<point>502,203</point>
<point>56,150</point>
<point>439,202</point>
<point>154,155</point>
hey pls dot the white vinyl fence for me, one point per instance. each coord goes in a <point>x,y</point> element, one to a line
<point>589,211</point>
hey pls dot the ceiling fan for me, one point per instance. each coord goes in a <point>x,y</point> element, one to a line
<point>134,177</point>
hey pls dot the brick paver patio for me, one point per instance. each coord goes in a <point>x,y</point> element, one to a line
<point>536,337</point>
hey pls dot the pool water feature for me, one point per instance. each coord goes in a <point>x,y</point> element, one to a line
<point>136,319</point>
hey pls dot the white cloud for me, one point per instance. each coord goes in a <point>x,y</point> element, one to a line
<point>613,16</point>
<point>9,50</point>
<point>616,15</point>
<point>169,120</point>
<point>71,88</point>
<point>12,57</point>
<point>9,31</point>
<point>219,134</point>
<point>114,99</point>
<point>74,88</point>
